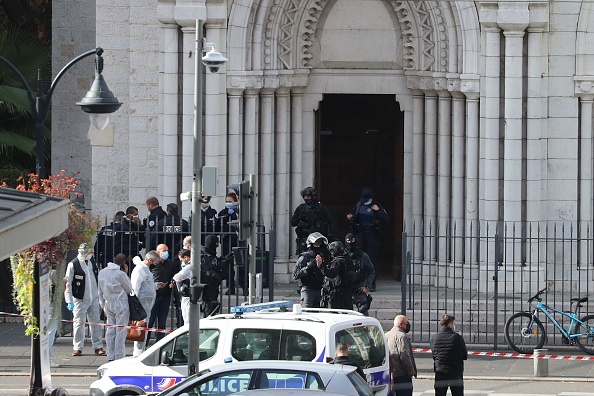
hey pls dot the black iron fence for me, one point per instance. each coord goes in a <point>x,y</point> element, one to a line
<point>134,239</point>
<point>484,272</point>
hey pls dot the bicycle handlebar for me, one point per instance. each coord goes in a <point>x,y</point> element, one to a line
<point>537,295</point>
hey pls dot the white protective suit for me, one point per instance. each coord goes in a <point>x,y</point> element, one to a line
<point>145,288</point>
<point>185,301</point>
<point>84,308</point>
<point>114,287</point>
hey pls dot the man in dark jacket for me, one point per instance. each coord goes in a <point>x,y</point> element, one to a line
<point>365,274</point>
<point>171,230</point>
<point>309,217</point>
<point>449,353</point>
<point>342,357</point>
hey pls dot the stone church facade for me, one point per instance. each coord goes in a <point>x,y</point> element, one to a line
<point>486,107</point>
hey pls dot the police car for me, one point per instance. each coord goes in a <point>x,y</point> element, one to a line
<point>267,331</point>
<point>224,379</point>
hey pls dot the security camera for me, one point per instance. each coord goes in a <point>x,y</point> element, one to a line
<point>213,59</point>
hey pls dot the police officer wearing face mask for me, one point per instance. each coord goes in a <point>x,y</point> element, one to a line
<point>401,356</point>
<point>229,237</point>
<point>162,271</point>
<point>307,270</point>
<point>171,230</point>
<point>309,217</point>
<point>367,218</point>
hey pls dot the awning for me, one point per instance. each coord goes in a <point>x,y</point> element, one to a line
<point>27,219</point>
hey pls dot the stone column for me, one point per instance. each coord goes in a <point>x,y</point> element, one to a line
<point>418,159</point>
<point>168,141</point>
<point>430,179</point>
<point>585,158</point>
<point>492,114</point>
<point>458,161</point>
<point>215,106</point>
<point>444,171</point>
<point>266,180</point>
<point>235,136</point>
<point>281,172</point>
<point>296,154</point>
<point>251,154</point>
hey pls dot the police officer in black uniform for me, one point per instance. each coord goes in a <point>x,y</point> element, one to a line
<point>367,218</point>
<point>365,274</point>
<point>212,273</point>
<point>337,292</point>
<point>307,270</point>
<point>104,247</point>
<point>311,216</point>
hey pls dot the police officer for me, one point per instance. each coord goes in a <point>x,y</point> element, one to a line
<point>104,247</point>
<point>337,291</point>
<point>171,230</point>
<point>367,218</point>
<point>307,270</point>
<point>311,216</point>
<point>212,272</point>
<point>365,274</point>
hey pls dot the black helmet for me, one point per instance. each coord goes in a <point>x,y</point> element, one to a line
<point>317,239</point>
<point>310,191</point>
<point>336,249</point>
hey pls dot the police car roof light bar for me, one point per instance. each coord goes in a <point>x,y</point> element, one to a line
<point>240,309</point>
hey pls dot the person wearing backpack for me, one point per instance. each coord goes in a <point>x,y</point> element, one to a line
<point>365,274</point>
<point>341,277</point>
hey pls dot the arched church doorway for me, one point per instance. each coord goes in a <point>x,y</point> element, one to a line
<point>360,143</point>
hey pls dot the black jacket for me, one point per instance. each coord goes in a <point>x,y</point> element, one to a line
<point>449,352</point>
<point>307,271</point>
<point>171,230</point>
<point>163,272</point>
<point>351,362</point>
<point>312,218</point>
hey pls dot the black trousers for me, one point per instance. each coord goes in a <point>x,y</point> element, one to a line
<point>444,380</point>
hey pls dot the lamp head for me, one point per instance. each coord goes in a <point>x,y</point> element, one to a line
<point>213,59</point>
<point>99,101</point>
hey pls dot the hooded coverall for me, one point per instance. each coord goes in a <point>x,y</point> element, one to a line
<point>145,289</point>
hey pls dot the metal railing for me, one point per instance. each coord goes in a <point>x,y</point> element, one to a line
<point>484,272</point>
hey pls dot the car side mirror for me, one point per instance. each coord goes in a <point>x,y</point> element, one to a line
<point>165,359</point>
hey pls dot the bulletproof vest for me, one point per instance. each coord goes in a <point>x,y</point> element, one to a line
<point>314,223</point>
<point>357,266</point>
<point>79,280</point>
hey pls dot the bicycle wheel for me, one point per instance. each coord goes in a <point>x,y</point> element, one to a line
<point>586,330</point>
<point>523,333</point>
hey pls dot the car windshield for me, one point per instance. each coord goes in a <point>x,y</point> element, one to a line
<point>366,345</point>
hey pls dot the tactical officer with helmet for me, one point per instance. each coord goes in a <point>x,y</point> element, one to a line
<point>365,274</point>
<point>309,217</point>
<point>341,277</point>
<point>307,270</point>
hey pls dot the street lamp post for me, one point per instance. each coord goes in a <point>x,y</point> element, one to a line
<point>213,60</point>
<point>99,100</point>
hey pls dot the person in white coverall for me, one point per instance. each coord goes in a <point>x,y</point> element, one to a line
<point>182,280</point>
<point>145,288</point>
<point>114,287</point>
<point>81,299</point>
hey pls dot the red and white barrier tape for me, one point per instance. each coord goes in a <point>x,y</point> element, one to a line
<point>100,324</point>
<point>516,355</point>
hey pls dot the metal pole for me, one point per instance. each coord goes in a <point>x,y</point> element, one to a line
<point>253,237</point>
<point>194,314</point>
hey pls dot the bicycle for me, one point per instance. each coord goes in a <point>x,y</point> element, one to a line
<point>524,332</point>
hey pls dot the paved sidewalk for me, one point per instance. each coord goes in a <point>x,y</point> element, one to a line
<point>15,354</point>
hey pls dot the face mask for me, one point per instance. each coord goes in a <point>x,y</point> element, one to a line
<point>454,328</point>
<point>88,256</point>
<point>183,264</point>
<point>204,205</point>
<point>407,328</point>
<point>308,201</point>
<point>367,203</point>
<point>165,255</point>
<point>229,205</point>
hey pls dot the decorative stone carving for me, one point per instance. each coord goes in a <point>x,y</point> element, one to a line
<point>584,85</point>
<point>409,46</point>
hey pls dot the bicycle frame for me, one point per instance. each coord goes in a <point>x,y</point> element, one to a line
<point>540,307</point>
